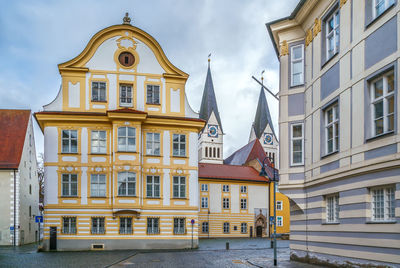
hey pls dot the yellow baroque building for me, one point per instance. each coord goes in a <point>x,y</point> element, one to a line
<point>121,162</point>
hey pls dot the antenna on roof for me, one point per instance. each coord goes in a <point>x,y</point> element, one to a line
<point>262,78</point>
<point>209,59</point>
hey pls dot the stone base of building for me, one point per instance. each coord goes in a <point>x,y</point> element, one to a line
<point>327,260</point>
<point>120,244</point>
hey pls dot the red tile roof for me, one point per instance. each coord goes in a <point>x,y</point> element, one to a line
<point>230,172</point>
<point>13,126</point>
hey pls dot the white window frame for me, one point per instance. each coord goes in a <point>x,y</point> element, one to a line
<point>179,225</point>
<point>100,223</point>
<point>386,3</point>
<point>99,89</point>
<point>332,208</point>
<point>292,139</point>
<point>243,189</point>
<point>125,178</point>
<point>180,145</point>
<point>70,181</point>
<point>385,99</point>
<point>387,206</point>
<point>69,225</point>
<point>153,143</point>
<point>204,187</point>
<point>204,227</point>
<point>279,205</point>
<point>225,203</point>
<point>225,188</point>
<point>226,227</point>
<point>96,142</point>
<point>153,186</point>
<point>125,138</point>
<point>151,96</point>
<point>153,225</point>
<point>243,203</point>
<point>334,125</point>
<point>96,183</point>
<point>294,61</point>
<point>335,34</point>
<point>204,202</point>
<point>125,94</point>
<point>72,149</point>
<point>279,221</point>
<point>125,225</point>
<point>181,193</point>
<point>243,227</point>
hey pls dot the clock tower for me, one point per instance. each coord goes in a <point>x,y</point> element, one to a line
<point>263,129</point>
<point>211,137</point>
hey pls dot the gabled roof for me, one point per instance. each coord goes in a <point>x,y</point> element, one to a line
<point>229,172</point>
<point>263,116</point>
<point>13,126</point>
<point>252,150</point>
<point>209,102</point>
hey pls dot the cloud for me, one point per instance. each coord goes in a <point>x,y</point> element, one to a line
<point>38,35</point>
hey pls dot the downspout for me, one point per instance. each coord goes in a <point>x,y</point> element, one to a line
<point>269,209</point>
<point>15,204</point>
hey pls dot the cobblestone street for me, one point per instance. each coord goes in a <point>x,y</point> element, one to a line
<point>211,253</point>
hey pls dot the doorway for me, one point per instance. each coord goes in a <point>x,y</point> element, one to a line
<point>259,231</point>
<point>53,238</point>
<point>251,231</point>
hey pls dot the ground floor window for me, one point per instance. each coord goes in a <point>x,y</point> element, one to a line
<point>153,225</point>
<point>226,227</point>
<point>125,225</point>
<point>279,221</point>
<point>243,227</point>
<point>179,225</point>
<point>383,204</point>
<point>98,225</point>
<point>69,225</point>
<point>204,227</point>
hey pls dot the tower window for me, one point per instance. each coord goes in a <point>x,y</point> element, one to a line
<point>206,152</point>
<point>214,152</point>
<point>210,152</point>
<point>218,152</point>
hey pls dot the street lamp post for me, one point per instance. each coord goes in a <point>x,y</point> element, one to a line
<point>274,179</point>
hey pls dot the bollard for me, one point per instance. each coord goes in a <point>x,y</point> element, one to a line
<point>272,243</point>
<point>227,245</point>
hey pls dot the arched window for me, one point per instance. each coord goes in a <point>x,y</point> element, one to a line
<point>30,189</point>
<point>214,152</point>
<point>218,152</point>
<point>206,151</point>
<point>210,152</point>
<point>30,211</point>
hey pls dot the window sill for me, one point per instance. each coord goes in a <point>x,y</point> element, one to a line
<point>297,165</point>
<point>153,104</point>
<point>329,60</point>
<point>98,197</point>
<point>149,197</point>
<point>69,196</point>
<point>101,101</point>
<point>122,196</point>
<point>381,15</point>
<point>329,154</point>
<point>179,198</point>
<point>64,153</point>
<point>179,156</point>
<point>155,155</point>
<point>126,152</point>
<point>381,222</point>
<point>296,86</point>
<point>127,105</point>
<point>330,223</point>
<point>389,133</point>
<point>98,153</point>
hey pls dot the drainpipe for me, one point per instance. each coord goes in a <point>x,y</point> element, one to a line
<point>269,210</point>
<point>15,204</point>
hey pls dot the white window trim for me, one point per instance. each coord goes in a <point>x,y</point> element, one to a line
<point>124,180</point>
<point>243,203</point>
<point>243,189</point>
<point>179,227</point>
<point>302,144</point>
<point>281,205</point>
<point>152,101</point>
<point>179,184</point>
<point>387,4</point>
<point>385,204</point>
<point>204,202</point>
<point>125,104</point>
<point>204,187</point>
<point>124,227</point>
<point>71,225</point>
<point>226,203</point>
<point>334,125</point>
<point>153,185</point>
<point>101,149</point>
<point>335,208</point>
<point>69,139</point>
<point>70,182</point>
<point>279,221</point>
<point>292,61</point>
<point>333,32</point>
<point>151,140</point>
<point>97,177</point>
<point>243,224</point>
<point>98,92</point>
<point>126,138</point>
<point>154,227</point>
<point>385,96</point>
<point>205,225</point>
<point>227,226</point>
<point>225,188</point>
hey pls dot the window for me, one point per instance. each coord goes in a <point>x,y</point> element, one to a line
<point>179,225</point>
<point>204,202</point>
<point>382,104</point>
<point>125,225</point>
<point>98,225</point>
<point>153,186</point>
<point>69,185</point>
<point>279,205</point>
<point>204,187</point>
<point>69,141</point>
<point>332,208</point>
<point>331,117</point>
<point>379,6</point>
<point>99,141</point>
<point>243,203</point>
<point>30,173</point>
<point>30,211</point>
<point>225,203</point>
<point>243,227</point>
<point>225,188</point>
<point>297,144</point>
<point>297,65</point>
<point>383,204</point>
<point>204,227</point>
<point>243,189</point>
<point>126,184</point>
<point>69,225</point>
<point>98,185</point>
<point>332,35</point>
<point>125,95</point>
<point>99,91</point>
<point>153,143</point>
<point>153,226</point>
<point>179,187</point>
<point>226,227</point>
<point>153,94</point>
<point>279,221</point>
<point>30,189</point>
<point>179,145</point>
<point>126,139</point>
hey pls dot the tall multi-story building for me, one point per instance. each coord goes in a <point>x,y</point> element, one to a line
<point>19,185</point>
<point>121,141</point>
<point>338,128</point>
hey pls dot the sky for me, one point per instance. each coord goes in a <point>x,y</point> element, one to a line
<point>37,35</point>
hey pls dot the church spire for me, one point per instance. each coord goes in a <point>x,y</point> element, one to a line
<point>209,102</point>
<point>263,116</point>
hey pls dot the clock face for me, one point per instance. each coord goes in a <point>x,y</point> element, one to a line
<point>212,131</point>
<point>268,139</point>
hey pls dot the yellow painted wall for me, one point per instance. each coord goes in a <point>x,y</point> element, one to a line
<point>285,212</point>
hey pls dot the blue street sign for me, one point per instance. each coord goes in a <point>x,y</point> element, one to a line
<point>11,228</point>
<point>38,218</point>
<point>192,221</point>
<point>271,218</point>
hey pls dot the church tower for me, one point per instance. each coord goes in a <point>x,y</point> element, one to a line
<point>211,137</point>
<point>263,129</point>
